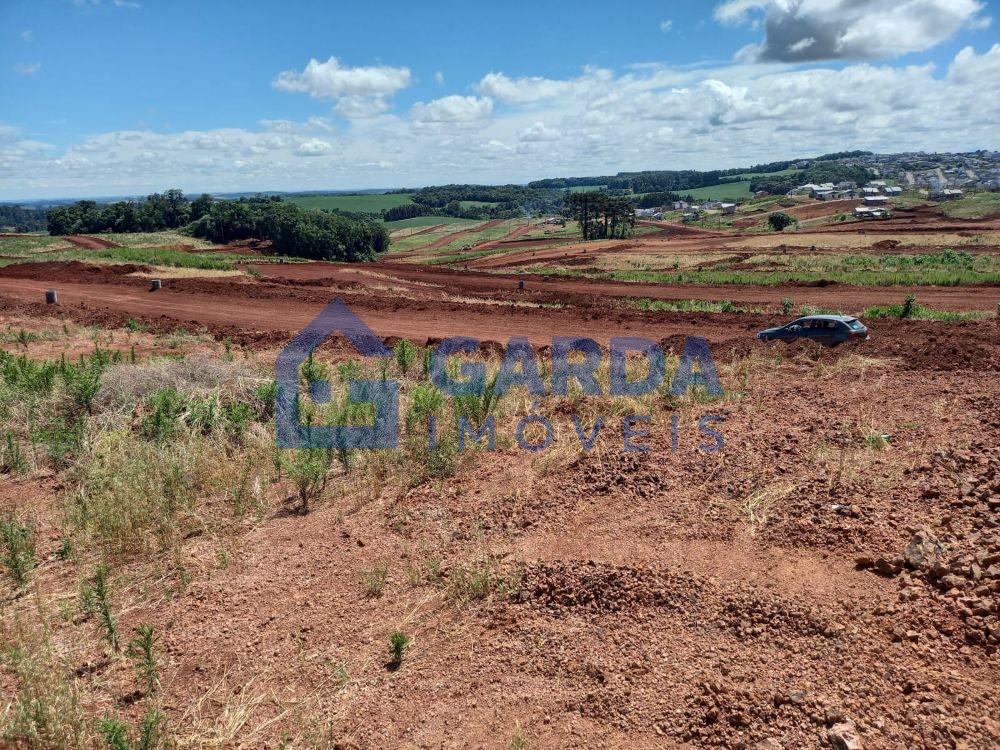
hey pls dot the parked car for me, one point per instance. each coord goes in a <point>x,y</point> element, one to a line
<point>828,330</point>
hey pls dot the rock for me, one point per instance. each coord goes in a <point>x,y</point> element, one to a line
<point>767,744</point>
<point>888,567</point>
<point>844,736</point>
<point>923,550</point>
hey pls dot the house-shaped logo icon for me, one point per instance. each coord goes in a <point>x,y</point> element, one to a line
<point>382,394</point>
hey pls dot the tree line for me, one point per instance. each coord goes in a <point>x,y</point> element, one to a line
<point>292,230</point>
<point>156,212</point>
<point>601,216</point>
<point>21,219</point>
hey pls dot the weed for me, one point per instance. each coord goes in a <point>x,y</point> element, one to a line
<point>115,735</point>
<point>518,741</point>
<point>12,459</point>
<point>374,581</point>
<point>479,407</point>
<point>406,355</point>
<point>426,401</point>
<point>140,650</point>
<point>100,603</point>
<point>908,305</point>
<point>309,470</point>
<point>398,644</point>
<point>18,549</point>
<point>787,305</point>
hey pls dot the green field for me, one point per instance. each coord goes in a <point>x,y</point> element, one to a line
<point>367,203</point>
<point>587,188</point>
<point>729,191</point>
<point>475,204</point>
<point>979,206</point>
<point>422,221</point>
<point>748,175</point>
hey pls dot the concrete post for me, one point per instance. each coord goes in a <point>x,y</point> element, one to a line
<point>51,297</point>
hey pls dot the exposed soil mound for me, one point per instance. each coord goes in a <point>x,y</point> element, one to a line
<point>72,270</point>
<point>91,243</point>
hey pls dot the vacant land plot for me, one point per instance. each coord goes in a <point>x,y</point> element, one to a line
<point>167,572</point>
<point>727,191</point>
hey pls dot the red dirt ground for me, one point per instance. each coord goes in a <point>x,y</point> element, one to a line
<point>835,570</point>
<point>90,242</point>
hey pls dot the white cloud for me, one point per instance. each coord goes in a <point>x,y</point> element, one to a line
<point>455,108</point>
<point>807,30</point>
<point>439,77</point>
<point>539,131</point>
<point>647,117</point>
<point>27,69</point>
<point>665,26</point>
<point>521,90</point>
<point>313,147</point>
<point>360,92</point>
<point>970,68</point>
<point>127,4</point>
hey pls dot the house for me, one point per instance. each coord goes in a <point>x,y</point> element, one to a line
<point>842,186</point>
<point>645,213</point>
<point>893,191</point>
<point>679,205</point>
<point>690,215</point>
<point>948,194</point>
<point>876,200</point>
<point>869,190</point>
<point>867,212</point>
<point>727,208</point>
<point>825,195</point>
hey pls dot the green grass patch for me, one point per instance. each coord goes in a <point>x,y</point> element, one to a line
<point>689,305</point>
<point>363,203</point>
<point>979,206</point>
<point>28,244</point>
<point>946,268</point>
<point>155,256</point>
<point>919,312</point>
<point>729,191</point>
<point>422,221</point>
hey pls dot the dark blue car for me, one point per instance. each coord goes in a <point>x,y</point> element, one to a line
<point>828,330</point>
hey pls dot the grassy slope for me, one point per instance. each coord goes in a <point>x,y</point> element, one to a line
<point>727,191</point>
<point>422,221</point>
<point>371,203</point>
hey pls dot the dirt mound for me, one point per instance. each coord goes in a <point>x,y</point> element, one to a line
<point>72,270</point>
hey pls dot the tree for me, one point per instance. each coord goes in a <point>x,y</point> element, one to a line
<point>779,220</point>
<point>201,206</point>
<point>600,215</point>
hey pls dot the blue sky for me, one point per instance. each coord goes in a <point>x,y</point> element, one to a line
<point>102,97</point>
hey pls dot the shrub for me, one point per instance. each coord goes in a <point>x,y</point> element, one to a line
<point>779,220</point>
<point>97,602</point>
<point>398,643</point>
<point>787,305</point>
<point>908,305</point>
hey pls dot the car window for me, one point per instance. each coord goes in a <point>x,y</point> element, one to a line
<point>855,325</point>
